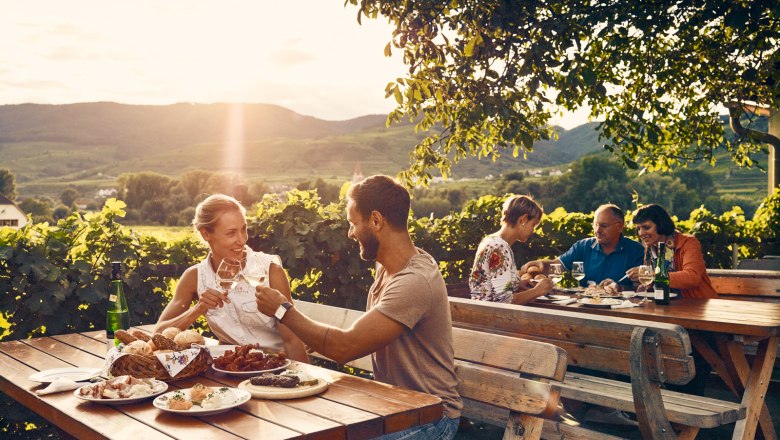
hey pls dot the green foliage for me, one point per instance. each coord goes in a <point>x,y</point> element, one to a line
<point>488,75</point>
<point>55,278</point>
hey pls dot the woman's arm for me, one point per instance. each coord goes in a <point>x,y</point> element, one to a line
<point>293,345</point>
<point>691,264</point>
<point>543,287</point>
<point>180,312</point>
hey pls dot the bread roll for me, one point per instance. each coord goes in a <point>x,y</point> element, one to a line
<point>540,276</point>
<point>163,343</point>
<point>533,270</point>
<point>124,336</point>
<point>188,337</point>
<point>138,347</point>
<point>141,335</point>
<point>525,277</point>
<point>171,332</point>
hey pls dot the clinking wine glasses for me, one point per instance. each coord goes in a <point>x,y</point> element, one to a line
<point>227,276</point>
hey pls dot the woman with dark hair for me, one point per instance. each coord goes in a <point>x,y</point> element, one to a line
<point>687,271</point>
<point>494,276</point>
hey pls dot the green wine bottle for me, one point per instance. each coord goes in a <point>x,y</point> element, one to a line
<point>661,280</point>
<point>118,315</point>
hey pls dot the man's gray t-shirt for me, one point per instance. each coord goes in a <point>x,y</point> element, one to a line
<point>422,358</point>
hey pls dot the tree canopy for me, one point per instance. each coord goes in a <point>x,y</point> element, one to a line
<point>489,74</point>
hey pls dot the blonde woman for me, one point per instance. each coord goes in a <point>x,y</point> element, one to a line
<point>494,276</point>
<point>231,314</point>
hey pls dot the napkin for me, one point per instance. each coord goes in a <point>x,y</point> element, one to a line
<point>59,384</point>
<point>624,305</point>
<point>566,301</point>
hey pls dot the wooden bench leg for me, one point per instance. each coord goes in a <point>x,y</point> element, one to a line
<point>523,426</point>
<point>686,432</point>
<point>646,371</point>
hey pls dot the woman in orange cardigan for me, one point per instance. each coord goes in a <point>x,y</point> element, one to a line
<point>687,272</point>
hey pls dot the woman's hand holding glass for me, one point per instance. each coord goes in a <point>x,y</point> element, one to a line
<point>227,275</point>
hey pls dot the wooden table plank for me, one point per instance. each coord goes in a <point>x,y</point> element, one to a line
<point>747,318</point>
<point>62,409</point>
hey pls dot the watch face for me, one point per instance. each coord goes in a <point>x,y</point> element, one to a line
<point>279,314</point>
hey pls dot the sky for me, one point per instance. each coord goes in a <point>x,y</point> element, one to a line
<point>310,56</point>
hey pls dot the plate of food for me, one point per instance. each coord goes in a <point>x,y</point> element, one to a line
<point>552,297</point>
<point>201,400</point>
<point>69,373</point>
<point>121,390</point>
<point>247,360</point>
<point>598,302</point>
<point>289,384</point>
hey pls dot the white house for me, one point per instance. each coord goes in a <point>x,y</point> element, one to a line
<point>10,214</point>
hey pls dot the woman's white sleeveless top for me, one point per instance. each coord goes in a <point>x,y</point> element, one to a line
<point>240,323</point>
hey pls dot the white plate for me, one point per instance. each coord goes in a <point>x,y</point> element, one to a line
<point>218,350</point>
<point>266,392</point>
<point>552,297</point>
<point>605,302</point>
<point>70,373</point>
<point>628,294</point>
<point>158,387</point>
<point>161,402</point>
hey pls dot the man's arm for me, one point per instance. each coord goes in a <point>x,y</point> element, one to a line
<point>368,334</point>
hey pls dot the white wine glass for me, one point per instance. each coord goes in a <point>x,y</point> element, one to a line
<point>254,273</point>
<point>556,273</point>
<point>646,277</point>
<point>578,272</point>
<point>228,273</point>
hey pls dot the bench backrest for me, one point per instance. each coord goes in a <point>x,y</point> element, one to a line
<point>511,373</point>
<point>595,342</point>
<point>746,284</point>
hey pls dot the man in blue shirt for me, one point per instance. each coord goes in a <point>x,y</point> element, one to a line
<point>608,254</point>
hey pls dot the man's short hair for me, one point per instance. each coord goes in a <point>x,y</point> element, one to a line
<point>384,195</point>
<point>614,209</point>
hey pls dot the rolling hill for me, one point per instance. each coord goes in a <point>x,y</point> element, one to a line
<point>87,145</point>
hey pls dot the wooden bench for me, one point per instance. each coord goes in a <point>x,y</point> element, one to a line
<point>649,353</point>
<point>752,285</point>
<point>508,381</point>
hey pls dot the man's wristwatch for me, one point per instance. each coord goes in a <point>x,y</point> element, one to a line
<point>279,313</point>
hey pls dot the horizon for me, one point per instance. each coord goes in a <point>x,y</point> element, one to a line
<point>324,64</point>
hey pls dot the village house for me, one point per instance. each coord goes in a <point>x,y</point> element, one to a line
<point>10,214</point>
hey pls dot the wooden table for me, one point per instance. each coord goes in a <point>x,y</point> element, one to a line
<point>351,408</point>
<point>732,324</point>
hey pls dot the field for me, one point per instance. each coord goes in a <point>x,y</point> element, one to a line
<point>164,233</point>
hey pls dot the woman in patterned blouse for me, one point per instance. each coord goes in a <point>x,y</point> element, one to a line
<point>494,276</point>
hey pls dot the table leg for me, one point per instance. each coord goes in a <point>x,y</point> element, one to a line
<point>716,362</point>
<point>755,381</point>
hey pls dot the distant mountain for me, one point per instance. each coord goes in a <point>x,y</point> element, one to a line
<point>87,145</point>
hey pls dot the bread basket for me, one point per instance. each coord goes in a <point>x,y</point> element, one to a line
<point>150,367</point>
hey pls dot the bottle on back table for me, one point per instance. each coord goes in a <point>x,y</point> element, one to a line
<point>118,315</point>
<point>661,280</point>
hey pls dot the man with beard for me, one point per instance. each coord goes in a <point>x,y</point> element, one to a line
<point>407,327</point>
<point>606,256</point>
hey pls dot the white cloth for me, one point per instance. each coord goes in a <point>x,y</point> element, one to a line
<point>566,301</point>
<point>239,322</point>
<point>625,305</point>
<point>59,384</point>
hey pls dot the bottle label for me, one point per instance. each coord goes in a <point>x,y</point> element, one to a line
<point>112,298</point>
<point>659,293</point>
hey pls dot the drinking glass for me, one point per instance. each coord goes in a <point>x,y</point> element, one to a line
<point>228,273</point>
<point>254,273</point>
<point>556,273</point>
<point>646,277</point>
<point>578,272</point>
